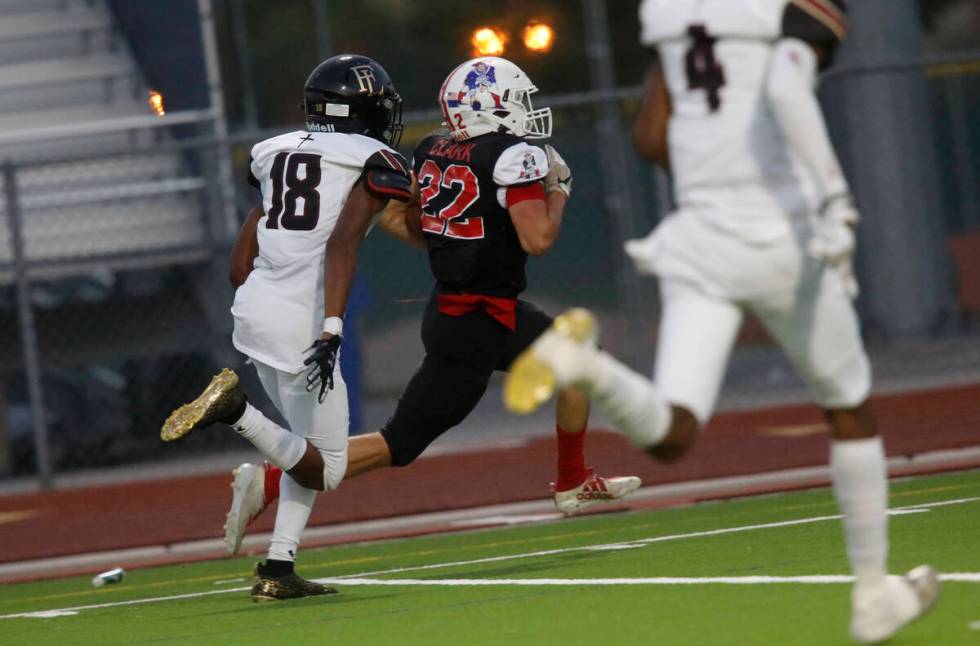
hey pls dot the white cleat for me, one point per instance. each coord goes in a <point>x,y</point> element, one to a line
<point>879,613</point>
<point>594,490</point>
<point>564,355</point>
<point>247,502</point>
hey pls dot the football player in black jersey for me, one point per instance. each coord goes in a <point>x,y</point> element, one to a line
<point>487,199</point>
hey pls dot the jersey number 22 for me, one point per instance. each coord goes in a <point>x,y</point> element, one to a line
<point>448,221</point>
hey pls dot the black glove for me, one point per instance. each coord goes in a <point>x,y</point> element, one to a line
<point>322,360</point>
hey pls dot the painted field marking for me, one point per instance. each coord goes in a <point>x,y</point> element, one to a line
<point>362,578</point>
<point>809,579</point>
<point>812,579</point>
<point>513,519</point>
<point>974,625</point>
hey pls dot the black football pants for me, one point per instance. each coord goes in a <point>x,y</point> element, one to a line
<point>461,352</point>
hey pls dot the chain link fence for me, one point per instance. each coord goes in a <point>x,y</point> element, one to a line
<point>113,262</point>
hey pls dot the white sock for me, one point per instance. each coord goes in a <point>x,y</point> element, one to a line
<point>284,449</point>
<point>860,479</point>
<point>295,505</point>
<point>631,402</point>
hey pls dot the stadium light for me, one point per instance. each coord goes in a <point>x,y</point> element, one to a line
<point>488,41</point>
<point>155,100</point>
<point>539,37</point>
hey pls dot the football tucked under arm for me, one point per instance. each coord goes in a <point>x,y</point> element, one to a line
<point>402,219</point>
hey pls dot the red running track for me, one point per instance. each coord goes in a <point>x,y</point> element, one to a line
<point>76,521</point>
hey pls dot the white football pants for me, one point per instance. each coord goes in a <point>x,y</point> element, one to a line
<point>325,426</point>
<point>709,276</point>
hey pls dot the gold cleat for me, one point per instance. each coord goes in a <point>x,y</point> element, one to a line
<point>221,398</point>
<point>287,586</point>
<point>531,381</point>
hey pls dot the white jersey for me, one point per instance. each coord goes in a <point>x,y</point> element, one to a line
<point>728,155</point>
<point>305,179</point>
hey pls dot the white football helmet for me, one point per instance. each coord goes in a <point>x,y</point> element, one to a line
<point>490,94</point>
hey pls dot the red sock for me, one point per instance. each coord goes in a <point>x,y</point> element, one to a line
<point>571,459</point>
<point>272,475</point>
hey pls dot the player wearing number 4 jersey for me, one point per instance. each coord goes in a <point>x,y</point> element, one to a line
<point>765,224</point>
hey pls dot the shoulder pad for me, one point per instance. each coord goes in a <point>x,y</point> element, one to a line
<point>385,159</point>
<point>386,175</point>
<point>822,23</point>
<point>520,163</point>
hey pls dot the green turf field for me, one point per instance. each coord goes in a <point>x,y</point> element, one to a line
<point>632,578</point>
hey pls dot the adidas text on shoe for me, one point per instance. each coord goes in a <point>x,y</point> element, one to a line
<point>595,489</point>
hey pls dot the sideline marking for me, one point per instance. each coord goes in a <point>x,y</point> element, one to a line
<point>361,579</point>
<point>813,579</point>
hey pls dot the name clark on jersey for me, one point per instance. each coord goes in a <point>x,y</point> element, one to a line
<point>455,152</point>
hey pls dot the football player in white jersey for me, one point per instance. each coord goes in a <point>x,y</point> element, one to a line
<point>292,264</point>
<point>764,223</point>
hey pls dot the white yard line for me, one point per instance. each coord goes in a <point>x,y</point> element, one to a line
<point>362,578</point>
<point>813,579</point>
<point>476,516</point>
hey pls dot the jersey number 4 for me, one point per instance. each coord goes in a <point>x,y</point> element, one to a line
<point>704,72</point>
<point>285,175</point>
<point>448,221</point>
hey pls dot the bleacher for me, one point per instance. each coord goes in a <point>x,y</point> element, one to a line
<point>101,181</point>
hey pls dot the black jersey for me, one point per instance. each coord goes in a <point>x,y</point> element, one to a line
<point>473,246</point>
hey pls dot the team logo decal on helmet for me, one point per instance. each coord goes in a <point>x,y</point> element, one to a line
<point>365,78</point>
<point>491,94</point>
<point>481,88</point>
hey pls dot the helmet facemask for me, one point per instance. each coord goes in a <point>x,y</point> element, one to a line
<point>537,123</point>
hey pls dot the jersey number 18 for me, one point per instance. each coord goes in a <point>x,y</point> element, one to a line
<point>285,174</point>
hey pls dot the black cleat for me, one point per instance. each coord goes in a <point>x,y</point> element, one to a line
<point>286,586</point>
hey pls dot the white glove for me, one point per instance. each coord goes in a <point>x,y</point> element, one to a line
<point>833,232</point>
<point>559,177</point>
<point>833,240</point>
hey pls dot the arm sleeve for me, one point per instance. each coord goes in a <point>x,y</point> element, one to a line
<point>789,90</point>
<point>386,175</point>
<point>520,164</point>
<point>820,23</point>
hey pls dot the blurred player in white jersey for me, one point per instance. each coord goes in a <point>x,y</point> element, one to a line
<point>292,264</point>
<point>764,223</point>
